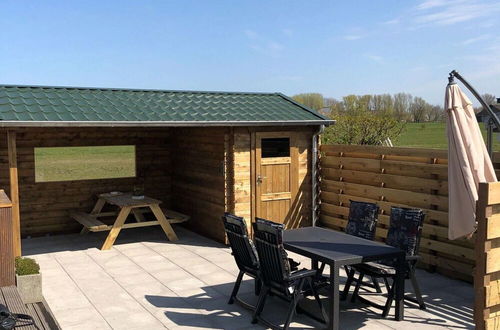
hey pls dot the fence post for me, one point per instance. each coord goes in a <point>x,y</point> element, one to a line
<point>487,272</point>
<point>7,272</point>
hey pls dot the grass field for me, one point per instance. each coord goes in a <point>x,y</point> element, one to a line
<point>431,135</point>
<point>84,163</point>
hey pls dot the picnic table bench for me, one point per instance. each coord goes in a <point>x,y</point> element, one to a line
<point>127,204</point>
<point>92,223</point>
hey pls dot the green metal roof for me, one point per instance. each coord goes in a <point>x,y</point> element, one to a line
<point>75,106</point>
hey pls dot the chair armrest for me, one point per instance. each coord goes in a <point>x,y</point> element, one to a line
<point>294,265</point>
<point>303,273</point>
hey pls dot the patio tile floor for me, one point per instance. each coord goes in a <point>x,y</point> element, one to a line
<point>146,282</point>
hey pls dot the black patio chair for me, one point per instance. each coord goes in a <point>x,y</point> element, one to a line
<point>362,222</point>
<point>404,233</point>
<point>245,255</point>
<point>277,276</point>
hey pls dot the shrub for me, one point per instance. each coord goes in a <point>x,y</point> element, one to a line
<point>26,266</point>
<point>363,127</point>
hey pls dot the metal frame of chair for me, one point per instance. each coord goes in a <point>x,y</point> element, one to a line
<point>276,274</point>
<point>244,254</point>
<point>379,270</point>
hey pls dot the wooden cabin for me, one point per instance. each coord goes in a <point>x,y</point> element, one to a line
<point>200,153</point>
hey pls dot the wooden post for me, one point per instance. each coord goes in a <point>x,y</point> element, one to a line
<point>253,182</point>
<point>14,192</point>
<point>487,250</point>
<point>7,272</point>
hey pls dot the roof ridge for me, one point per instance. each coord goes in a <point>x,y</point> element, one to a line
<point>137,89</point>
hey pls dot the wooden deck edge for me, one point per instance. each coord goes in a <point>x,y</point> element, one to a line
<point>52,321</point>
<point>40,312</point>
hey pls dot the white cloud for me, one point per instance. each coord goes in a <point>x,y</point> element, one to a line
<point>353,37</point>
<point>439,12</point>
<point>474,40</point>
<point>375,58</point>
<point>263,45</point>
<point>270,48</point>
<point>274,46</point>
<point>392,21</point>
<point>492,71</point>
<point>434,3</point>
<point>449,12</point>
<point>487,63</point>
<point>251,34</point>
<point>488,56</point>
<point>355,33</point>
<point>487,24</point>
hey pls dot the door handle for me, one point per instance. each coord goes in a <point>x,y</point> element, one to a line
<point>260,179</point>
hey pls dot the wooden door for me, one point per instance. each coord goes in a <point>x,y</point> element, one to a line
<point>276,175</point>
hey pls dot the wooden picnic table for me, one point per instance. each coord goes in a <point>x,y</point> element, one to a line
<point>127,205</point>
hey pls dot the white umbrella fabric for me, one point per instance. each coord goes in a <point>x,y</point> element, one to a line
<point>468,162</point>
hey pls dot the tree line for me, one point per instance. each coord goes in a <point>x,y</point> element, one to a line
<point>373,119</point>
<point>401,106</point>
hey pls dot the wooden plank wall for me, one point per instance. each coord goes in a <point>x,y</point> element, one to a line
<point>7,255</point>
<point>198,171</point>
<point>241,165</point>
<point>45,206</point>
<point>301,207</point>
<point>198,178</point>
<point>241,173</point>
<point>395,177</point>
<point>487,273</point>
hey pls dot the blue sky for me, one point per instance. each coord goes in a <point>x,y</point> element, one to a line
<point>331,47</point>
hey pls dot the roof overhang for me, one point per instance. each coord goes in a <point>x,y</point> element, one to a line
<point>161,123</point>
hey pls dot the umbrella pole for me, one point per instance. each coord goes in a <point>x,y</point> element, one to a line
<point>494,121</point>
<point>489,141</point>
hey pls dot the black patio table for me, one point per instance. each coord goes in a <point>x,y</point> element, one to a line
<point>337,249</point>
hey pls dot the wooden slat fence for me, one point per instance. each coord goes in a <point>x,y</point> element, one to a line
<point>487,273</point>
<point>393,176</point>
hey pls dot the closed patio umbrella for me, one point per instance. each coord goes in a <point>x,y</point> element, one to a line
<point>468,162</point>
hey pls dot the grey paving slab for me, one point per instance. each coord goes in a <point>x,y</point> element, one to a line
<point>145,282</point>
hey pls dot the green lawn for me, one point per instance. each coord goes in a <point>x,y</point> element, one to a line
<point>431,135</point>
<point>84,163</point>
